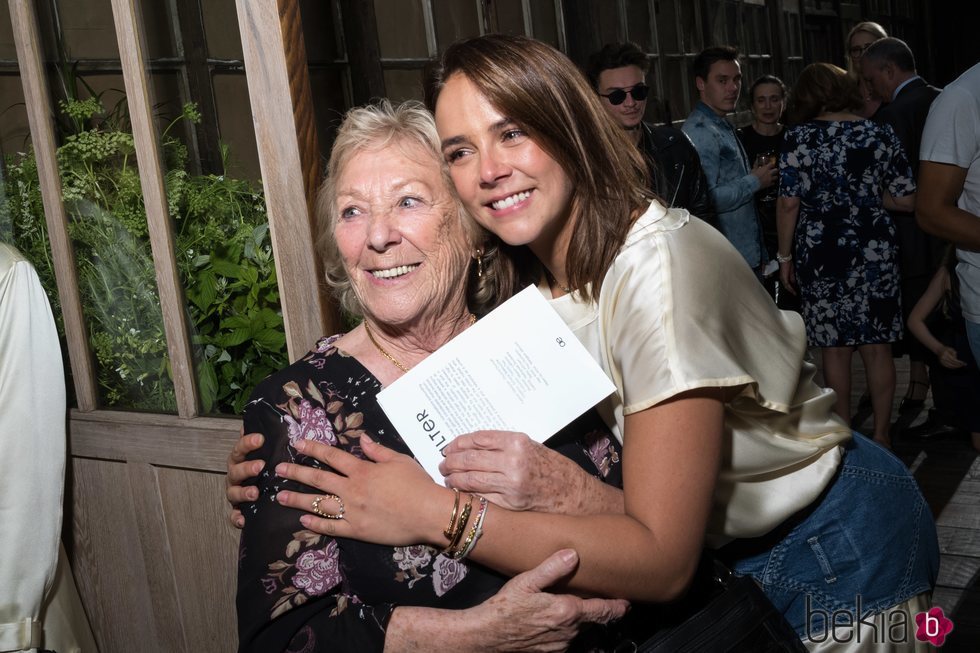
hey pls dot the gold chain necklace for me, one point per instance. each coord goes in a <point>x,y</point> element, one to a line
<point>389,356</point>
<point>553,280</point>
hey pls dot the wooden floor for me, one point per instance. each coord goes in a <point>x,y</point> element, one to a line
<point>948,470</point>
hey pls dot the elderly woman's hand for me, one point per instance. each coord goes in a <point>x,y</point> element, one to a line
<point>522,616</point>
<point>239,471</point>
<point>387,499</point>
<point>515,472</point>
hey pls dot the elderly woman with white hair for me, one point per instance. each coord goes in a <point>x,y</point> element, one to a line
<point>396,253</point>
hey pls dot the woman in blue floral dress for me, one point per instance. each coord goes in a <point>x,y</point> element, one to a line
<point>839,176</point>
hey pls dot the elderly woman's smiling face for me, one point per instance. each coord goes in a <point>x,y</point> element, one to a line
<point>400,235</point>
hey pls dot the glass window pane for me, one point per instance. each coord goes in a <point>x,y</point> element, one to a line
<point>221,29</point>
<point>159,39</point>
<point>8,49</point>
<point>107,225</point>
<point>510,16</point>
<point>15,132</point>
<point>691,28</point>
<point>87,29</point>
<point>608,25</point>
<point>331,97</point>
<point>718,23</point>
<point>403,84</point>
<point>235,126</point>
<point>322,33</point>
<point>667,31</point>
<point>108,229</point>
<point>222,244</point>
<point>543,23</point>
<point>455,20</point>
<point>677,83</point>
<point>401,29</point>
<point>638,25</point>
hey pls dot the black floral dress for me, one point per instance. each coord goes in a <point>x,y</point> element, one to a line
<point>845,249</point>
<point>303,592</point>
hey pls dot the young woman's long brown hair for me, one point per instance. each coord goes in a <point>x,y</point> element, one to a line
<point>540,89</point>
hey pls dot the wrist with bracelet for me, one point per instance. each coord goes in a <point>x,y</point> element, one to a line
<point>459,547</point>
<point>784,258</point>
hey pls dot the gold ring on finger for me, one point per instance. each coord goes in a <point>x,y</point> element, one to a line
<point>326,515</point>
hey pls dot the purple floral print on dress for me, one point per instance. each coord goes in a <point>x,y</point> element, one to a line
<point>412,557</point>
<point>313,424</point>
<point>447,573</point>
<point>601,453</point>
<point>318,570</point>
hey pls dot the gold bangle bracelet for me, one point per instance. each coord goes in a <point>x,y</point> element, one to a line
<point>460,526</point>
<point>452,519</point>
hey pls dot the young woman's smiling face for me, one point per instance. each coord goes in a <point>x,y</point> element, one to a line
<point>508,183</point>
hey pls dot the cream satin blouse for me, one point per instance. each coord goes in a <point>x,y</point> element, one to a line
<point>680,309</point>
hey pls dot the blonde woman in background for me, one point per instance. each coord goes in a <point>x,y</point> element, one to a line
<point>859,38</point>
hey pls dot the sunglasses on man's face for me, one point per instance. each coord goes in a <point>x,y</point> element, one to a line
<point>617,97</point>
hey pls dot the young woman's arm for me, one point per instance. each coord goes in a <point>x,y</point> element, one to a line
<point>787,213</point>
<point>672,455</point>
<point>917,320</point>
<point>905,203</point>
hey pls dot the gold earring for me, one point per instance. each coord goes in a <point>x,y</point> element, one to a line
<point>479,263</point>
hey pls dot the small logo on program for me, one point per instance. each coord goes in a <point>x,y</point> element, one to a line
<point>933,626</point>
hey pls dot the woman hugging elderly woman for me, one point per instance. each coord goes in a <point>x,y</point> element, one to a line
<point>720,434</point>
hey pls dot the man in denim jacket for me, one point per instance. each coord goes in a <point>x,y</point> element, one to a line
<point>732,181</point>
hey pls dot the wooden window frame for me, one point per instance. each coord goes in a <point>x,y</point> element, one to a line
<point>279,91</point>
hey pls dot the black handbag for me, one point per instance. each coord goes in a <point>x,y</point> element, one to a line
<point>721,613</point>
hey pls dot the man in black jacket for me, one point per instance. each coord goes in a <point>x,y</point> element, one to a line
<point>618,74</point>
<point>888,67</point>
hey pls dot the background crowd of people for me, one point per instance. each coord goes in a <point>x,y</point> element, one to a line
<point>843,247</point>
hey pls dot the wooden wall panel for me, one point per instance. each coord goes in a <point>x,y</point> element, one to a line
<point>204,547</point>
<point>151,527</point>
<point>154,557</point>
<point>107,558</point>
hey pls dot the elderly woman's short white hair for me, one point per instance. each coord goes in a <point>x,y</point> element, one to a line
<point>370,127</point>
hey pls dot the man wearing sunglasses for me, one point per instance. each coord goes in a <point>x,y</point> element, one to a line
<point>732,181</point>
<point>618,74</point>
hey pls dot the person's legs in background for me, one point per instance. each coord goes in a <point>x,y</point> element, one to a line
<point>837,377</point>
<point>880,367</point>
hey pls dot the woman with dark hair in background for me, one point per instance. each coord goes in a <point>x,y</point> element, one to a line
<point>837,243</point>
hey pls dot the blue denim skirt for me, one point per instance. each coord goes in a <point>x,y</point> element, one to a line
<point>868,543</point>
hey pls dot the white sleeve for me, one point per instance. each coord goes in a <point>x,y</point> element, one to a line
<point>686,312</point>
<point>32,450</point>
<point>949,135</point>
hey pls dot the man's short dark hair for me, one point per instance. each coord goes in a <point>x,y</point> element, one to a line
<point>616,55</point>
<point>766,79</point>
<point>893,51</point>
<point>707,57</point>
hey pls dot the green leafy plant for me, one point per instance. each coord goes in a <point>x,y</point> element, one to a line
<point>223,255</point>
